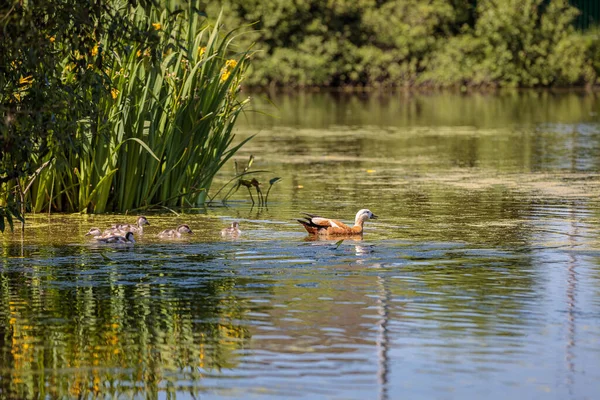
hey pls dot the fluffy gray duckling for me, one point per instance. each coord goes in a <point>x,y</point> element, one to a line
<point>128,238</point>
<point>175,233</point>
<point>137,228</point>
<point>97,232</point>
<point>233,230</point>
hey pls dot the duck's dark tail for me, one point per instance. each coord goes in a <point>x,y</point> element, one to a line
<point>309,226</point>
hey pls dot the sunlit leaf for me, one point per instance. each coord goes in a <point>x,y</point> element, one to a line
<point>250,161</point>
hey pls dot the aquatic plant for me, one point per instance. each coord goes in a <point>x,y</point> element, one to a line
<point>239,181</point>
<point>272,181</point>
<point>163,127</point>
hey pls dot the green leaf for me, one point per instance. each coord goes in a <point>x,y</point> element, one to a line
<point>9,219</point>
<point>141,143</point>
<point>100,185</point>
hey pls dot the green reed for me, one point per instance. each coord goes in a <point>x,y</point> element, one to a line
<point>163,129</point>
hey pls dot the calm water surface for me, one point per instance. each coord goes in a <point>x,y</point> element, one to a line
<point>480,279</point>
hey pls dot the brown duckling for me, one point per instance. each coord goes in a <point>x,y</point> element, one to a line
<point>233,230</point>
<point>95,232</point>
<point>128,238</point>
<point>138,227</point>
<point>175,233</point>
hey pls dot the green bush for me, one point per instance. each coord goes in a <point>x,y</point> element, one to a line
<point>38,110</point>
<point>528,43</point>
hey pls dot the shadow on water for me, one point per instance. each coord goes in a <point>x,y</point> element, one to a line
<point>480,277</point>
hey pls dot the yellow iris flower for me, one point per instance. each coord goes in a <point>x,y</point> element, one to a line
<point>26,81</point>
<point>226,70</point>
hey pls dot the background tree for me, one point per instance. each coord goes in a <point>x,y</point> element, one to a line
<point>40,109</point>
<point>439,43</point>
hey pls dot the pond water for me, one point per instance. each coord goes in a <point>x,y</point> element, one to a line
<point>480,279</point>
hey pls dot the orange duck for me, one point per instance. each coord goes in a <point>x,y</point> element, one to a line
<point>330,227</point>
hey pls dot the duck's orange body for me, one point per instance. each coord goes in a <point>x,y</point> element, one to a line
<point>331,227</point>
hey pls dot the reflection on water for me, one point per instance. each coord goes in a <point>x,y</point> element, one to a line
<point>479,279</point>
<point>571,296</point>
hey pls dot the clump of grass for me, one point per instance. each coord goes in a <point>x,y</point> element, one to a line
<point>239,180</point>
<point>164,127</point>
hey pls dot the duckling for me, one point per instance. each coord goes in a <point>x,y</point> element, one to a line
<point>128,238</point>
<point>138,227</point>
<point>325,226</point>
<point>233,230</point>
<point>113,232</point>
<point>95,232</point>
<point>175,233</point>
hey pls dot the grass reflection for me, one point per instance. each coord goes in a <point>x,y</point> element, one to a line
<point>83,336</point>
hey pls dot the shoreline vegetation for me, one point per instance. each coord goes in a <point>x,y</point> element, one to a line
<point>115,107</point>
<point>423,45</point>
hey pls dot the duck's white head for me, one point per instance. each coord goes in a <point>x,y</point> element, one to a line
<point>129,237</point>
<point>363,215</point>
